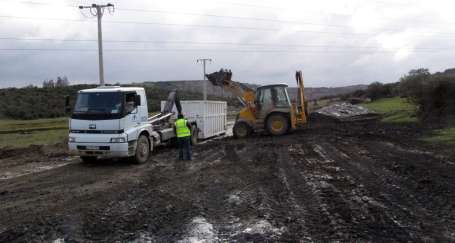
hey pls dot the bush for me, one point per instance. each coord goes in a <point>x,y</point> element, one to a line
<point>432,93</point>
<point>378,90</point>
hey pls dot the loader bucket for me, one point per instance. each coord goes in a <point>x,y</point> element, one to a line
<point>220,77</point>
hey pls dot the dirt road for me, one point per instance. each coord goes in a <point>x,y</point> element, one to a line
<point>348,183</point>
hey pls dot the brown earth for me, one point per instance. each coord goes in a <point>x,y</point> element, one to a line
<point>346,182</point>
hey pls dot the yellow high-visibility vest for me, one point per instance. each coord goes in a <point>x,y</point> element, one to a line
<point>181,129</point>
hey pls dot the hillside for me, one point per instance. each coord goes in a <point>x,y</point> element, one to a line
<point>33,102</point>
<point>196,87</point>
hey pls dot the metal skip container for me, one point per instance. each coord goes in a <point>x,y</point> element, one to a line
<point>209,115</point>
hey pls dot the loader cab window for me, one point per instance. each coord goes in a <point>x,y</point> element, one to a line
<point>275,96</point>
<point>264,97</point>
<point>280,96</point>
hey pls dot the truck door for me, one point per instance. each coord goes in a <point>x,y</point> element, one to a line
<point>131,110</point>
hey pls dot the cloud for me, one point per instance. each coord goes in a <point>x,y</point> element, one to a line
<point>335,43</point>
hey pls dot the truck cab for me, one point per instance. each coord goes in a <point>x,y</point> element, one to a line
<point>111,121</point>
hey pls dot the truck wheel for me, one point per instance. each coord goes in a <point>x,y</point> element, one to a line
<point>194,135</point>
<point>88,159</point>
<point>241,130</point>
<point>142,150</point>
<point>277,124</point>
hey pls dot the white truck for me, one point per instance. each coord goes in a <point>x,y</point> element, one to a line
<point>113,121</point>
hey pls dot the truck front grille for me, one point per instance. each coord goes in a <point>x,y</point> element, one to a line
<point>98,131</point>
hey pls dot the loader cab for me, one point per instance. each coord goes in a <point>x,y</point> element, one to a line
<point>270,98</point>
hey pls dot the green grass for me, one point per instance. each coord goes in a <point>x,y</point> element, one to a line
<point>30,125</point>
<point>442,136</point>
<point>22,133</point>
<point>398,110</point>
<point>19,140</point>
<point>394,110</point>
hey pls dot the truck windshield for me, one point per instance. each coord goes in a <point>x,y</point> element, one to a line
<point>100,105</point>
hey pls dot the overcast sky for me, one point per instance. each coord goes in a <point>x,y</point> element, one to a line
<point>334,42</point>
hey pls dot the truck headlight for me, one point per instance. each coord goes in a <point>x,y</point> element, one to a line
<point>72,139</point>
<point>118,140</point>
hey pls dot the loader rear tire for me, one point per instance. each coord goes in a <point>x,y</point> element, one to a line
<point>277,124</point>
<point>241,130</point>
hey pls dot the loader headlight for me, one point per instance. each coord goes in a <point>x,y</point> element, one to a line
<point>118,140</point>
<point>72,139</point>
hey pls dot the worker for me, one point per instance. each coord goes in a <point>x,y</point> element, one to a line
<point>183,132</point>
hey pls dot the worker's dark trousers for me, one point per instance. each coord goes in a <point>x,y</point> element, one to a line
<point>184,148</point>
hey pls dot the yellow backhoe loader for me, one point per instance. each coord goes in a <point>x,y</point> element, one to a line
<point>267,108</point>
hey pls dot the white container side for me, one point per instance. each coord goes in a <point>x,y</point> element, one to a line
<point>209,115</point>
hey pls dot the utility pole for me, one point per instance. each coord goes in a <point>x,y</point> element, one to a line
<point>204,60</point>
<point>98,11</point>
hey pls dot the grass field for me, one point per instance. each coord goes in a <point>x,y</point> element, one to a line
<point>22,133</point>
<point>443,136</point>
<point>19,140</point>
<point>394,110</point>
<point>26,125</point>
<point>398,110</point>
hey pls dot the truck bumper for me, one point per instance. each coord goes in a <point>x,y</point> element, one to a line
<point>102,149</point>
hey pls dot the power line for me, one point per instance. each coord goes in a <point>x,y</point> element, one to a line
<point>148,23</point>
<point>160,11</point>
<point>378,50</point>
<point>167,42</point>
<point>208,26</point>
<point>176,42</point>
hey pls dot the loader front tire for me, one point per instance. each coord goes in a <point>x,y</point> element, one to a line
<point>241,130</point>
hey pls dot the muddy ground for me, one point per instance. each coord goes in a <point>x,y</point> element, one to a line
<point>351,182</point>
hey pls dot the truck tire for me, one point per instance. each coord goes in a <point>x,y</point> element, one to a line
<point>241,130</point>
<point>142,150</point>
<point>277,124</point>
<point>88,159</point>
<point>194,135</point>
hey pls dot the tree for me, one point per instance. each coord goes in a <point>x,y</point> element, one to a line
<point>59,82</point>
<point>66,82</point>
<point>411,84</point>
<point>48,84</point>
<point>432,93</point>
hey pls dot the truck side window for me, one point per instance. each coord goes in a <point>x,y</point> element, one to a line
<point>130,104</point>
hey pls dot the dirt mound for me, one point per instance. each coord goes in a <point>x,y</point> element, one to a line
<point>347,112</point>
<point>55,150</point>
<point>11,152</point>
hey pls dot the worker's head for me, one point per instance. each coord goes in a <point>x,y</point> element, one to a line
<point>180,116</point>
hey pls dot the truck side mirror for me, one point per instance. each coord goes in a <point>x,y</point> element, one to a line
<point>67,104</point>
<point>137,100</point>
